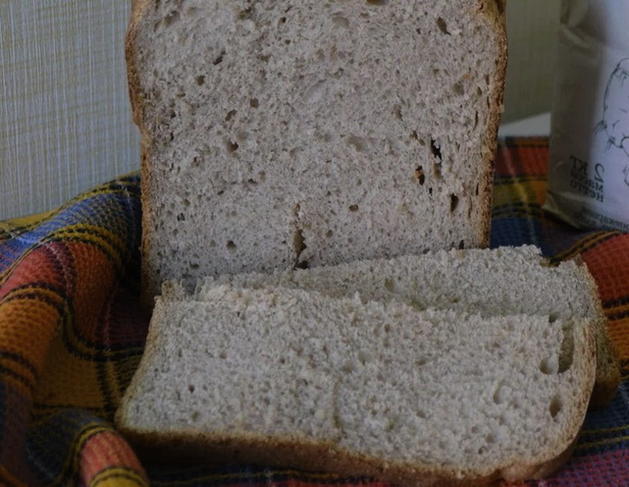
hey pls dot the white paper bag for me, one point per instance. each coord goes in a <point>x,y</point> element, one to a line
<point>589,147</point>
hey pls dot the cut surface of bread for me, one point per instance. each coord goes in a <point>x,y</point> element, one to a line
<point>282,134</point>
<point>371,388</point>
<point>495,282</point>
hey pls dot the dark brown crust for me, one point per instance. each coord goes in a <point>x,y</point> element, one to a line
<point>494,10</point>
<point>135,96</point>
<point>605,387</point>
<point>190,447</point>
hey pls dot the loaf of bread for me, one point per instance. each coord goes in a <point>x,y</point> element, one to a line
<point>278,376</point>
<point>496,282</point>
<point>310,132</point>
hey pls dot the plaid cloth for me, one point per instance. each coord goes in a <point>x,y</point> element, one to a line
<point>71,335</point>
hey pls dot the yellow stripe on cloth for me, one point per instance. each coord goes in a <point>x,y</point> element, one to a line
<point>117,477</point>
<point>108,241</point>
<point>609,441</point>
<point>534,191</point>
<point>16,226</point>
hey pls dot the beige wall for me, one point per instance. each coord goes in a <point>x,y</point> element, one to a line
<point>64,117</point>
<point>532,27</point>
<point>65,123</point>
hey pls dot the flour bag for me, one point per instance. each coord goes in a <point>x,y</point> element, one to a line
<point>588,182</point>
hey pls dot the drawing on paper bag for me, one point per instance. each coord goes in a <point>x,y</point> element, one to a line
<point>615,122</point>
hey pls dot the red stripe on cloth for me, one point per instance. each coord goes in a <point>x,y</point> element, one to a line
<point>104,451</point>
<point>517,157</point>
<point>609,469</point>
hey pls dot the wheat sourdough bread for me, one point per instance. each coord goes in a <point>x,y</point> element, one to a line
<point>282,134</point>
<point>497,282</point>
<point>298,379</point>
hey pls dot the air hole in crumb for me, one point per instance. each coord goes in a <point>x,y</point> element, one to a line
<point>181,217</point>
<point>254,103</point>
<point>489,439</point>
<point>231,246</point>
<point>547,367</point>
<point>458,89</point>
<point>171,18</point>
<point>500,395</point>
<point>389,285</point>
<point>436,167</point>
<point>304,264</point>
<point>454,202</point>
<point>377,3</point>
<point>329,233</point>
<point>555,406</point>
<point>340,21</point>
<point>356,142</point>
<point>191,388</point>
<point>477,190</point>
<point>462,244</point>
<point>397,111</point>
<point>219,58</point>
<point>420,176</point>
<point>194,266</point>
<point>430,191</point>
<point>200,80</point>
<point>353,208</point>
<point>232,146</point>
<point>222,355</point>
<point>364,357</point>
<point>262,176</point>
<point>443,27</point>
<point>436,149</point>
<point>230,115</point>
<point>552,317</point>
<point>566,351</point>
<point>475,119</point>
<point>195,416</point>
<point>299,244</point>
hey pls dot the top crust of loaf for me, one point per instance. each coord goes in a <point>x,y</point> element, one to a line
<point>301,231</point>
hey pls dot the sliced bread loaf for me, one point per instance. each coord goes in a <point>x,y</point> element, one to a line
<point>294,378</point>
<point>281,134</point>
<point>496,282</point>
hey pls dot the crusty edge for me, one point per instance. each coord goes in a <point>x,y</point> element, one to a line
<point>190,447</point>
<point>494,10</point>
<point>310,455</point>
<point>137,12</point>
<point>608,378</point>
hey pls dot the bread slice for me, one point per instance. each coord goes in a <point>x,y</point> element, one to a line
<point>294,378</point>
<point>496,282</point>
<point>281,134</point>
